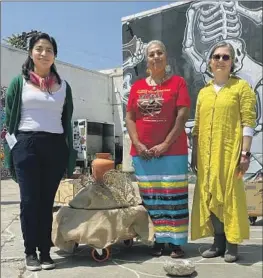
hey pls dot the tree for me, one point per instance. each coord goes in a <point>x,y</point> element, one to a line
<point>20,40</point>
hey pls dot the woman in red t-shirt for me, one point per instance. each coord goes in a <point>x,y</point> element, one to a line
<point>157,110</point>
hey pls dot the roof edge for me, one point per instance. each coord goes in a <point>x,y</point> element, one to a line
<point>153,11</point>
<point>57,61</point>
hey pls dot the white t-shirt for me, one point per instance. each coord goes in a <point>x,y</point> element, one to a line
<point>40,110</point>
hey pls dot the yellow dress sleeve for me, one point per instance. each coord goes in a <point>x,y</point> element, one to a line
<point>247,106</point>
<point>195,130</point>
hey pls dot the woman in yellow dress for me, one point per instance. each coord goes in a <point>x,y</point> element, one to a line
<point>222,137</point>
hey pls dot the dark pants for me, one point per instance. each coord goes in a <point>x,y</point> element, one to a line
<point>218,225</point>
<point>40,161</point>
<point>220,237</point>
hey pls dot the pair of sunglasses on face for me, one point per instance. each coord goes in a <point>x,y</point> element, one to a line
<point>224,57</point>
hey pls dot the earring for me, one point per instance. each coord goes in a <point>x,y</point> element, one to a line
<point>148,71</point>
<point>168,69</point>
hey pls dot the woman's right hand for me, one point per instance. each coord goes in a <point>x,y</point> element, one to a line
<point>194,161</point>
<point>142,151</point>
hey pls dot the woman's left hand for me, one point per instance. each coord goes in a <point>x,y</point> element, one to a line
<point>158,150</point>
<point>244,164</point>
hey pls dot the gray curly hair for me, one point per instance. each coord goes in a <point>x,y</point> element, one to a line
<point>160,43</point>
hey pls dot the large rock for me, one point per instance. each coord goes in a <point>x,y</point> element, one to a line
<point>179,267</point>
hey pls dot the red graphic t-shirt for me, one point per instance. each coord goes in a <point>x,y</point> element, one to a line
<point>156,109</point>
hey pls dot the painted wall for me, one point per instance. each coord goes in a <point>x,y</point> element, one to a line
<point>93,92</point>
<point>189,30</point>
<point>4,172</point>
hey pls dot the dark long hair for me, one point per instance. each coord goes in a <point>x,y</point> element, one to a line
<point>29,64</point>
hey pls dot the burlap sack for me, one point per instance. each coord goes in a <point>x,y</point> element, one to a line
<point>118,193</point>
<point>100,228</point>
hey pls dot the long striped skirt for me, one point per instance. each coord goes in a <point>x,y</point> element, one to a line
<point>163,185</point>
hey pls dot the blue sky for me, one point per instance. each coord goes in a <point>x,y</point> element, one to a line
<point>88,33</point>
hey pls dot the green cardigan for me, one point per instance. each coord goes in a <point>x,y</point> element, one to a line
<point>13,114</point>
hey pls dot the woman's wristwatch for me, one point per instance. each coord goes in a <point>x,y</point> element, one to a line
<point>246,154</point>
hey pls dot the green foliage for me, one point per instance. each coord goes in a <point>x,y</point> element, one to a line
<point>20,41</point>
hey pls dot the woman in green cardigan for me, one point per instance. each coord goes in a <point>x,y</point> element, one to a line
<point>39,109</point>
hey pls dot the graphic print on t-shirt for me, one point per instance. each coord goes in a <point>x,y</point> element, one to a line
<point>150,103</point>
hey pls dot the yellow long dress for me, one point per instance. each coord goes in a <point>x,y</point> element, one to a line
<point>219,121</point>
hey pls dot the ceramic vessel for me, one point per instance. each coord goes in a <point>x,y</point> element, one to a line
<point>100,165</point>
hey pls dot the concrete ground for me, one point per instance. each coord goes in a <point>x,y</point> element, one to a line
<point>125,262</point>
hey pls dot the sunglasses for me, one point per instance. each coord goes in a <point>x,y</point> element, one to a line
<point>224,57</point>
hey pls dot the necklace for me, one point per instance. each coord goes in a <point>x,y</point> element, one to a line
<point>155,86</point>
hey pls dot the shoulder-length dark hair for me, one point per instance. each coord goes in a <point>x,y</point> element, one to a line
<point>29,64</point>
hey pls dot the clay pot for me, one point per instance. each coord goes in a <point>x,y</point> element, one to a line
<point>100,165</point>
<point>103,155</point>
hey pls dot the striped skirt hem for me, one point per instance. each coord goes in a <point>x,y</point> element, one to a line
<point>163,185</point>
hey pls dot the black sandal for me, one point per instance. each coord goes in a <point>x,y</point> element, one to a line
<point>158,249</point>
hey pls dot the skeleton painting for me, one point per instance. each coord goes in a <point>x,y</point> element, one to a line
<point>134,53</point>
<point>221,21</point>
<point>135,48</point>
<point>191,31</point>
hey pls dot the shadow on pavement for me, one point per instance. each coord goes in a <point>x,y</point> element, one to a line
<point>250,254</point>
<point>195,274</point>
<point>139,254</point>
<point>259,223</point>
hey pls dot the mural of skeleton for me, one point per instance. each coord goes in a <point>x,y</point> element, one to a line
<point>220,21</point>
<point>135,49</point>
<point>207,23</point>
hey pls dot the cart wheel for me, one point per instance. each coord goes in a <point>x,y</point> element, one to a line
<point>128,242</point>
<point>100,258</point>
<point>252,220</point>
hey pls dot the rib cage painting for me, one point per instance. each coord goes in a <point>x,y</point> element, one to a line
<point>189,30</point>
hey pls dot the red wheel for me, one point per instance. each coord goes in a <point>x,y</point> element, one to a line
<point>128,242</point>
<point>100,257</point>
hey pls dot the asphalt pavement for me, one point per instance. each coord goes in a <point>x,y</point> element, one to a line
<point>134,262</point>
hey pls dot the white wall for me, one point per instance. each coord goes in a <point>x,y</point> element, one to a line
<point>117,76</point>
<point>93,92</point>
